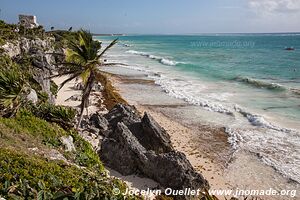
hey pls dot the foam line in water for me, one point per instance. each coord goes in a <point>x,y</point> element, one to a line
<point>260,84</point>
<point>181,90</point>
<point>260,121</point>
<point>162,60</point>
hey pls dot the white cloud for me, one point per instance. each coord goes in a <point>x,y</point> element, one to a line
<point>274,15</point>
<point>274,6</point>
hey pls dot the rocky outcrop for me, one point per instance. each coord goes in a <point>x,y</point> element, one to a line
<point>154,137</point>
<point>122,151</point>
<point>99,121</point>
<point>67,141</point>
<point>147,131</point>
<point>142,146</point>
<point>39,51</point>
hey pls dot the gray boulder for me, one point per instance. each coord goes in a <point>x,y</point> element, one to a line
<point>123,152</point>
<point>126,114</point>
<point>154,137</point>
<point>32,96</point>
<point>99,121</point>
<point>173,170</point>
<point>147,131</point>
<point>122,113</point>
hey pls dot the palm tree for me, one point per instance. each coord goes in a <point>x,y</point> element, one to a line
<point>83,59</point>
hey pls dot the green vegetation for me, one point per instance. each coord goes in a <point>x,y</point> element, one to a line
<point>31,177</point>
<point>28,174</point>
<point>26,123</point>
<point>64,116</point>
<point>53,88</point>
<point>8,32</point>
<point>13,91</point>
<point>62,38</point>
<point>12,32</point>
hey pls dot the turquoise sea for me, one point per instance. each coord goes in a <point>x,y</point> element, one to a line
<point>250,77</point>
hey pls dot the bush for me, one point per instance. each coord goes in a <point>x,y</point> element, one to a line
<point>62,115</point>
<point>14,89</point>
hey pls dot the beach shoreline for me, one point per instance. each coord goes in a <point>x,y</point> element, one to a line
<point>206,146</point>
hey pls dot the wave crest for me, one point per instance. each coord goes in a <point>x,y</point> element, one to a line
<point>260,84</point>
<point>162,60</point>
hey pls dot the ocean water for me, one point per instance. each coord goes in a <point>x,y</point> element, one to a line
<point>249,78</point>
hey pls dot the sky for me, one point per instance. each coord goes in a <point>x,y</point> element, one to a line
<point>160,16</point>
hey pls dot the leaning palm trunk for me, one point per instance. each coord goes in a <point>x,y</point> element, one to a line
<point>85,96</point>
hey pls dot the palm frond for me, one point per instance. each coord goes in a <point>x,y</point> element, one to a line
<point>107,48</point>
<point>75,75</point>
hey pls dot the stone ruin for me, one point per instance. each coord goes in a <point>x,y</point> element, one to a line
<point>28,21</point>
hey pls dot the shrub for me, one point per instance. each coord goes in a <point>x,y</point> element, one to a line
<point>14,89</point>
<point>62,115</point>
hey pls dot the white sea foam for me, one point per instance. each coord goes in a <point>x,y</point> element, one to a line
<point>162,60</point>
<point>275,148</point>
<point>189,92</point>
<point>260,121</point>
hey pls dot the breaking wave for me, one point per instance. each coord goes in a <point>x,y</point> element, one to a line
<point>162,60</point>
<point>260,84</point>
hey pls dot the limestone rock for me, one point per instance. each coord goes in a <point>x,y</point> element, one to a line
<point>32,96</point>
<point>99,121</point>
<point>154,136</point>
<point>67,141</point>
<point>141,146</point>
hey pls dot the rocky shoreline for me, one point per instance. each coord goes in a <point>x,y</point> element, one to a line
<point>132,144</point>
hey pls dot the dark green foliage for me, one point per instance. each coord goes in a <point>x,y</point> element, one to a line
<point>85,155</point>
<point>5,62</point>
<point>53,88</point>
<point>13,91</point>
<point>49,134</point>
<point>63,116</point>
<point>62,38</point>
<point>8,32</point>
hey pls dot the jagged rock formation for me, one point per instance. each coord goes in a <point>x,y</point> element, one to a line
<point>134,145</point>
